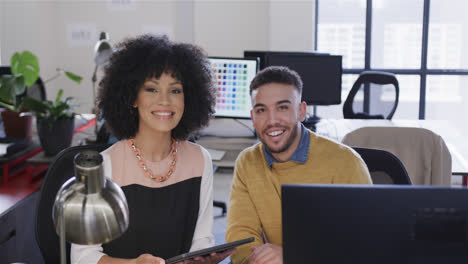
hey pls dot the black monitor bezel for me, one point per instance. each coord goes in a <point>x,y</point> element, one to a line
<point>264,57</point>
<point>353,200</point>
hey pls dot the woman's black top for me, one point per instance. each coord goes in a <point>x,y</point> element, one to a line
<point>162,220</point>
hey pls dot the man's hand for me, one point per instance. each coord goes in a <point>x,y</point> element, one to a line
<point>149,259</point>
<point>213,258</point>
<point>266,254</point>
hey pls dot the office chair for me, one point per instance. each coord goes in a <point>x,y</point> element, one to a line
<point>368,77</point>
<point>60,170</point>
<point>423,153</point>
<point>384,167</point>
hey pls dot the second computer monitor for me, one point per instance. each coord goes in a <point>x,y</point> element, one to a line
<point>232,77</point>
<point>320,73</point>
<point>369,224</point>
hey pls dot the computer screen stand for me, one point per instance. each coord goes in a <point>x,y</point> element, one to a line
<point>311,121</point>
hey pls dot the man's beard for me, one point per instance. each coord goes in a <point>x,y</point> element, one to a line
<point>286,145</point>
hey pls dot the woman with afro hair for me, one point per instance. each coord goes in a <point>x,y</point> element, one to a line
<point>154,95</point>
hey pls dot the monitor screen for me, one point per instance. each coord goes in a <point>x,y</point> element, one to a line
<point>232,77</point>
<point>374,224</point>
<point>320,73</point>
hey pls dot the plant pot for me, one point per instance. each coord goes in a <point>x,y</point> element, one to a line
<point>16,126</point>
<point>57,137</point>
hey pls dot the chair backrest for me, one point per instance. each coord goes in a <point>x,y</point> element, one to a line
<point>36,91</point>
<point>368,77</point>
<point>423,153</point>
<point>60,170</point>
<point>384,167</point>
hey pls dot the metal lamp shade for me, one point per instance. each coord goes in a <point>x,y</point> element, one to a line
<point>102,53</point>
<point>94,208</point>
<point>102,50</point>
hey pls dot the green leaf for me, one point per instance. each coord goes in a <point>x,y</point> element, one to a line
<point>35,105</point>
<point>50,111</point>
<point>74,77</point>
<point>26,64</point>
<point>19,85</point>
<point>59,96</point>
<point>6,88</point>
<point>7,106</point>
<point>14,63</point>
<point>10,87</point>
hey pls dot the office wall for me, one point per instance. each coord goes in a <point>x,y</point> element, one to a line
<point>119,21</point>
<point>63,32</point>
<point>292,25</point>
<point>227,28</point>
<point>28,25</point>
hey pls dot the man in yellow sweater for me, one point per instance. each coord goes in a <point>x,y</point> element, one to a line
<point>288,153</point>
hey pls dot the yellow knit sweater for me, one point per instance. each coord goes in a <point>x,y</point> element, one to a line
<point>255,201</point>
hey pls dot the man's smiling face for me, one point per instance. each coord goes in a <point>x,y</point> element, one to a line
<point>276,115</point>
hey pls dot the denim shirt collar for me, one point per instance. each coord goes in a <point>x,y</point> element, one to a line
<point>301,153</point>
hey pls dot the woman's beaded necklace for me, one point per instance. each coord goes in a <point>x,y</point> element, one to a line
<point>147,170</point>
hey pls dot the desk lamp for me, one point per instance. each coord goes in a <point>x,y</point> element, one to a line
<point>102,52</point>
<point>88,208</point>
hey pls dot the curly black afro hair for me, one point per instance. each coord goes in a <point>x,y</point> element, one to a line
<point>147,56</point>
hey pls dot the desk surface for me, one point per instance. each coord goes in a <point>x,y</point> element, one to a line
<point>231,145</point>
<point>337,128</point>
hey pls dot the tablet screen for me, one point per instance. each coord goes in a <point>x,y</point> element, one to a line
<point>208,251</point>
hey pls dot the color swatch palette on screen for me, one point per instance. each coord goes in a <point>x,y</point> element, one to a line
<point>232,79</point>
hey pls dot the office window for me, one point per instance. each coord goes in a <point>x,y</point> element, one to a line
<point>448,39</point>
<point>447,98</point>
<point>396,34</point>
<point>422,41</point>
<point>343,33</point>
<point>444,88</point>
<point>347,81</point>
<point>408,105</point>
<point>409,88</point>
<point>447,95</point>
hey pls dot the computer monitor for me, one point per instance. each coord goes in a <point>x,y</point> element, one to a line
<point>374,224</point>
<point>232,77</point>
<point>320,73</point>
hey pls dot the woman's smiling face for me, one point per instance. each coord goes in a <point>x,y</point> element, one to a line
<point>160,103</point>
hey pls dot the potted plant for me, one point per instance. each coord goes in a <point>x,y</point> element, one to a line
<point>55,121</point>
<point>24,73</point>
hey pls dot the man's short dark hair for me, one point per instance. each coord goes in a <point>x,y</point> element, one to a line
<point>277,74</point>
<point>147,56</point>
